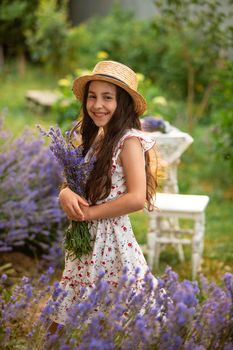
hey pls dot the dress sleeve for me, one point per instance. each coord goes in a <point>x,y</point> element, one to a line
<point>147,141</point>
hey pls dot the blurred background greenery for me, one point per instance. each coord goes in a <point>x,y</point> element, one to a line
<point>183,56</point>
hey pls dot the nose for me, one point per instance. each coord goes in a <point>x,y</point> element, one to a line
<point>98,103</point>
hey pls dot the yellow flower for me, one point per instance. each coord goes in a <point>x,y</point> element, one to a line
<point>160,100</point>
<point>102,55</point>
<point>63,82</point>
<point>65,103</point>
<point>81,72</point>
<point>140,76</point>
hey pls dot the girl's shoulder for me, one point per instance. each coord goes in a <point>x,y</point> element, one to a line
<point>147,139</point>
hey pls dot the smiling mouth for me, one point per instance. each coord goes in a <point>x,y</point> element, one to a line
<point>99,115</point>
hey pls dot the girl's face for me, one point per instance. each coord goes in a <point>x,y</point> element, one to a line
<point>101,102</point>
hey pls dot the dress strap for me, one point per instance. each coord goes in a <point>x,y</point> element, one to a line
<point>147,141</point>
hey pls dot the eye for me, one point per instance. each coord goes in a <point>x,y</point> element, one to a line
<point>108,97</point>
<point>91,96</point>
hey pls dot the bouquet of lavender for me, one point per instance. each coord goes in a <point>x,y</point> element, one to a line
<point>76,172</point>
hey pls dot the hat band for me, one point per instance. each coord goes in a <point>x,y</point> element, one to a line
<point>110,76</point>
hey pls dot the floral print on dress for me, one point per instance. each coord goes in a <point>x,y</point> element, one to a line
<point>114,244</point>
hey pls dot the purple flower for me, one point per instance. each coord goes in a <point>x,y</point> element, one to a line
<point>179,318</point>
<point>228,346</point>
<point>76,169</point>
<point>3,277</point>
<point>150,123</point>
<point>28,290</point>
<point>25,279</point>
<point>64,347</point>
<point>228,280</point>
<point>99,344</point>
<point>31,217</point>
<point>186,293</point>
<point>57,290</point>
<point>183,313</point>
<point>48,310</point>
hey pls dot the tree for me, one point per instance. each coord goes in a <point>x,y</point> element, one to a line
<point>204,32</point>
<point>16,16</point>
<point>47,39</point>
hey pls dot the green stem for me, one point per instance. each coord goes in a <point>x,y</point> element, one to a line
<point>78,240</point>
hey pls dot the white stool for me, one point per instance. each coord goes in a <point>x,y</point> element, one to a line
<point>164,228</point>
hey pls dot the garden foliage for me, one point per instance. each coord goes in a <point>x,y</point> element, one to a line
<point>16,17</point>
<point>189,47</point>
<point>66,108</point>
<point>181,48</point>
<point>177,315</point>
<point>223,121</point>
<point>30,216</point>
<point>46,39</point>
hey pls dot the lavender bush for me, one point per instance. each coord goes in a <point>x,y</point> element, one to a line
<point>185,315</point>
<point>30,216</point>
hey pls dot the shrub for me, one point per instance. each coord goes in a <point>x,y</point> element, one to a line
<point>80,51</point>
<point>176,315</point>
<point>223,121</point>
<point>30,216</point>
<point>188,42</point>
<point>47,40</point>
<point>16,17</point>
<point>67,106</point>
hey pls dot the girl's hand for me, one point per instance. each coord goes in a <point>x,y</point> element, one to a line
<point>86,212</point>
<point>70,203</point>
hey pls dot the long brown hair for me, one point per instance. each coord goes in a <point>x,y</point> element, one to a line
<point>99,183</point>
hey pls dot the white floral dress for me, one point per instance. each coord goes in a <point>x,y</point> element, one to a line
<point>115,246</point>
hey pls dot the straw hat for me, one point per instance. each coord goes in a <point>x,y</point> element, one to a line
<point>116,73</point>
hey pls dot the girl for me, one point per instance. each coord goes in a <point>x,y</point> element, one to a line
<point>120,183</point>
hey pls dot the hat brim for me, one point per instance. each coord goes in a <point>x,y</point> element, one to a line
<point>79,84</point>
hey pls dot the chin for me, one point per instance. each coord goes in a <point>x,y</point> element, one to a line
<point>100,124</point>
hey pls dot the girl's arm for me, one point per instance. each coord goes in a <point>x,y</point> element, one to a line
<point>133,162</point>
<point>70,203</point>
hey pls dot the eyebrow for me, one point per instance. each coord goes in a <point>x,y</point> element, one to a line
<point>104,93</point>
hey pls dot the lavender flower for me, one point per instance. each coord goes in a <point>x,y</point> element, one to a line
<point>193,317</point>
<point>31,218</point>
<point>150,123</point>
<point>76,172</point>
<point>228,280</point>
<point>4,277</point>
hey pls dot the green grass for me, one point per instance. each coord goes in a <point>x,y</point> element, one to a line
<point>199,173</point>
<point>13,105</point>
